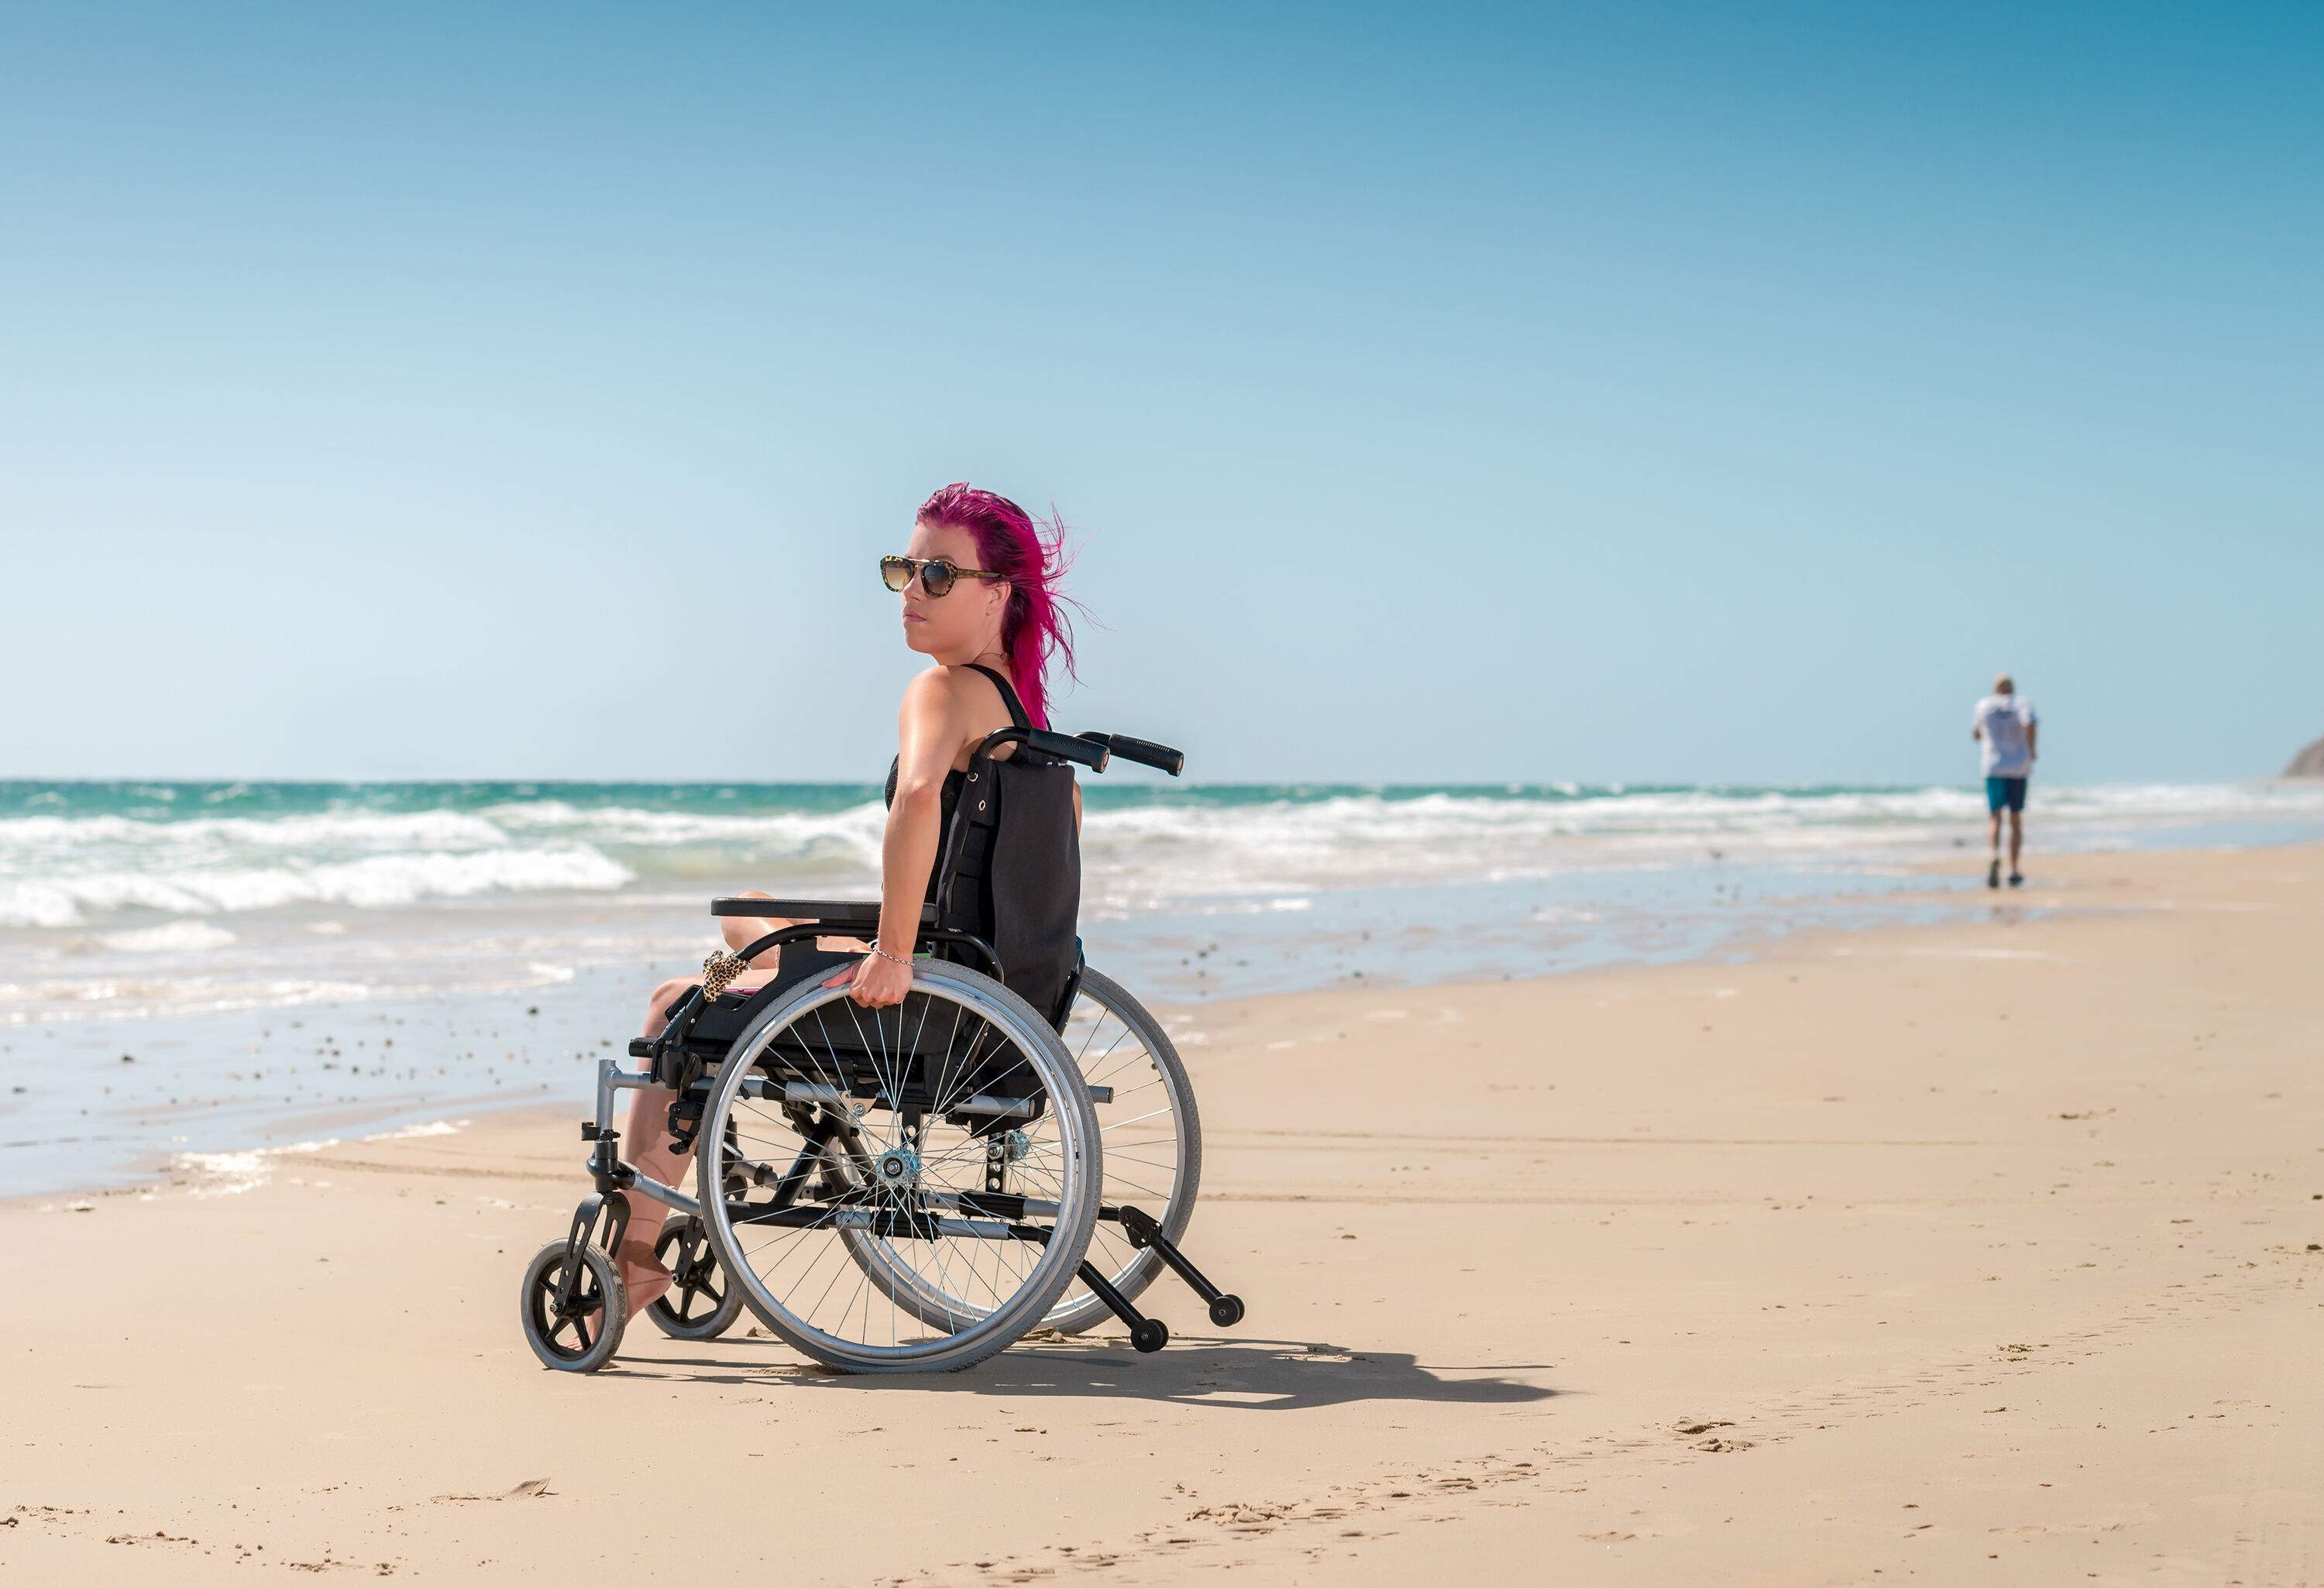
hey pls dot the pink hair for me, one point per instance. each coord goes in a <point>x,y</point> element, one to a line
<point>1032,554</point>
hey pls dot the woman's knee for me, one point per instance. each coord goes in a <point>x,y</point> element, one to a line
<point>661,998</point>
<point>742,931</point>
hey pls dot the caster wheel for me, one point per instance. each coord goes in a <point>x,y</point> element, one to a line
<point>1226,1312</point>
<point>1151,1335</point>
<point>700,1305</point>
<point>583,1336</point>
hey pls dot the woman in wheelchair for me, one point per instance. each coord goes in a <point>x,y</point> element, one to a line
<point>980,600</point>
<point>910,1151</point>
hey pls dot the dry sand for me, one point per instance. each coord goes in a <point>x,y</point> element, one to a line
<point>1985,1253</point>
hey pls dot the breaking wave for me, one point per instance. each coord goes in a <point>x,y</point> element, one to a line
<point>72,855</point>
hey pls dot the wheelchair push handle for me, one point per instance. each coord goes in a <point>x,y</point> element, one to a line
<point>1144,751</point>
<point>1069,747</point>
<point>1093,751</point>
<point>1072,747</point>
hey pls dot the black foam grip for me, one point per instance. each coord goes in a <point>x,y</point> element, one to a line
<point>1146,752</point>
<point>1068,747</point>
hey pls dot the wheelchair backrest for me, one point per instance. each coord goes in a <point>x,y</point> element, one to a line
<point>1011,873</point>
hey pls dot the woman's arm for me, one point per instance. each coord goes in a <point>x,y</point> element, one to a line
<point>929,728</point>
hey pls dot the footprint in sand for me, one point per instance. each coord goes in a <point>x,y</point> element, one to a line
<point>530,1488</point>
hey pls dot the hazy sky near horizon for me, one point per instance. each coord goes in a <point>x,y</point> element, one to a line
<point>1701,393</point>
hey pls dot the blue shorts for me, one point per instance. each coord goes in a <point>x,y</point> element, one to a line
<point>2004,791</point>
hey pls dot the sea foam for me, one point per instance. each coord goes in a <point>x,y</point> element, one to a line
<point>63,898</point>
<point>74,854</point>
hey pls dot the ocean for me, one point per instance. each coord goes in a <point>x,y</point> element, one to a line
<point>200,920</point>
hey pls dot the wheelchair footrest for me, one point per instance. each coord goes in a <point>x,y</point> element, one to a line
<point>685,1122</point>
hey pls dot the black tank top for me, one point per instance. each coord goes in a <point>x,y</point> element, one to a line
<point>956,779</point>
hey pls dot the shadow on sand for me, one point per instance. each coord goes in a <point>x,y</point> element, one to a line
<point>1235,1375</point>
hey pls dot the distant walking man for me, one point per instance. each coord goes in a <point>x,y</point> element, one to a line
<point>2005,724</point>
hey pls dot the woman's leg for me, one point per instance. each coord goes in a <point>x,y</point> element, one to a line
<point>742,930</point>
<point>645,1147</point>
<point>645,1131</point>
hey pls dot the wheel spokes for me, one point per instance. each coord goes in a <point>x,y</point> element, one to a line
<point>1146,1124</point>
<point>876,1254</point>
<point>586,1301</point>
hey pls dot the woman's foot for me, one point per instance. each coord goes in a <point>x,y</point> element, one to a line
<point>1992,874</point>
<point>642,1277</point>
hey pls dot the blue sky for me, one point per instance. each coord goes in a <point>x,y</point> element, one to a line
<point>1710,393</point>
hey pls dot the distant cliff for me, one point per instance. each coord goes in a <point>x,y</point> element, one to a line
<point>2308,763</point>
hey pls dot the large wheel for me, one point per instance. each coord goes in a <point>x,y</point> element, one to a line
<point>701,1303</point>
<point>1152,1135</point>
<point>1152,1156</point>
<point>583,1335</point>
<point>850,1149</point>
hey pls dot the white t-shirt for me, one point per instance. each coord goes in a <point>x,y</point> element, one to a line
<point>2004,719</point>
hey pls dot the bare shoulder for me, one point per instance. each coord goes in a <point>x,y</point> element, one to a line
<point>964,686</point>
<point>933,687</point>
<point>930,707</point>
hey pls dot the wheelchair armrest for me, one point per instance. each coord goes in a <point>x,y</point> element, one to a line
<point>823,912</point>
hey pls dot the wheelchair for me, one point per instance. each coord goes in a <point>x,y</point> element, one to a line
<point>1013,1147</point>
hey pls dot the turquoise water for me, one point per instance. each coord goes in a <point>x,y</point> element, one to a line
<point>162,801</point>
<point>87,853</point>
<point>110,857</point>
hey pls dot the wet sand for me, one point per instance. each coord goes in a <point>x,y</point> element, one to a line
<point>1988,1251</point>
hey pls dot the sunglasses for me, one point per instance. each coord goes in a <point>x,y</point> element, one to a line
<point>937,574</point>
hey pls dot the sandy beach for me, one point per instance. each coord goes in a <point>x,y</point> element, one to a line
<point>1980,1252</point>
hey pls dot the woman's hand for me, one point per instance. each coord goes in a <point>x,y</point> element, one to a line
<point>875,982</point>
